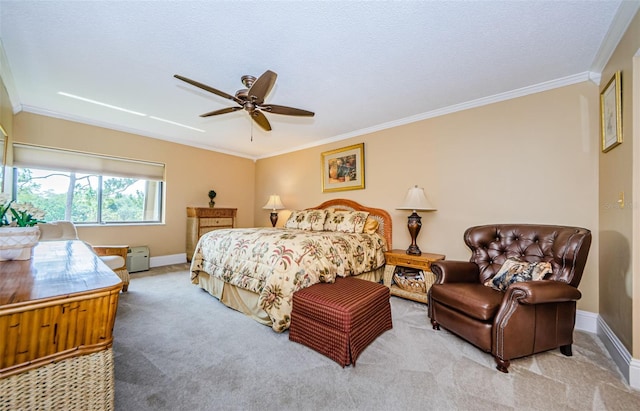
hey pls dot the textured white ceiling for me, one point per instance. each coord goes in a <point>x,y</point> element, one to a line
<point>359,65</point>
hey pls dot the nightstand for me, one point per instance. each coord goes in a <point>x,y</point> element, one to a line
<point>401,258</point>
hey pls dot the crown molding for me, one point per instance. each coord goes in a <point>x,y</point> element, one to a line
<point>7,79</point>
<point>521,92</point>
<point>625,14</point>
<point>109,126</point>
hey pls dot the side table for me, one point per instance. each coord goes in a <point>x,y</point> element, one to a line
<point>401,258</point>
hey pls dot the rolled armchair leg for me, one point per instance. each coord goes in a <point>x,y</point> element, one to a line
<point>502,365</point>
<point>435,324</point>
<point>566,350</point>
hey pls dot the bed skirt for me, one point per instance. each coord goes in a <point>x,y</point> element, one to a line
<point>247,302</point>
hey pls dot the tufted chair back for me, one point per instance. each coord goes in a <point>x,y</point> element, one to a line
<point>566,248</point>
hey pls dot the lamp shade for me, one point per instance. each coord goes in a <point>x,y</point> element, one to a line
<point>416,200</point>
<point>274,203</point>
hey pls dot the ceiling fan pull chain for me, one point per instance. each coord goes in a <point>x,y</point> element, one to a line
<point>252,131</point>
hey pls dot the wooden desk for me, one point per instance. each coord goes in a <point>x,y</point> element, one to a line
<point>57,313</point>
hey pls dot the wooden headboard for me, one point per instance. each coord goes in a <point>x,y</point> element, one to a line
<point>383,218</point>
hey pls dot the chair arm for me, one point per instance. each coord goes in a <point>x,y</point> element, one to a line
<point>541,292</point>
<point>107,250</point>
<point>455,271</point>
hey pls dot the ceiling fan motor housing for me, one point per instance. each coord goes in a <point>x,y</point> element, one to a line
<point>242,94</point>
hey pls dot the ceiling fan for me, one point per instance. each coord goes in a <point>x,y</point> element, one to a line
<point>251,99</point>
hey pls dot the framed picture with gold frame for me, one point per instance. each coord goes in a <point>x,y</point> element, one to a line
<point>343,169</point>
<point>611,113</point>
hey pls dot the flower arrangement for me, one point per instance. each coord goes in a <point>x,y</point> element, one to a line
<point>14,214</point>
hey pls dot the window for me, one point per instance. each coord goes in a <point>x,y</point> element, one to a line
<point>86,188</point>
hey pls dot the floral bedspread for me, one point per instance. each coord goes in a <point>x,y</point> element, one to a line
<point>274,263</point>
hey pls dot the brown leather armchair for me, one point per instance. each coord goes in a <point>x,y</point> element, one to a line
<point>529,317</point>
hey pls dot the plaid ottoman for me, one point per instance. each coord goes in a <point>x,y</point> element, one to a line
<point>340,320</point>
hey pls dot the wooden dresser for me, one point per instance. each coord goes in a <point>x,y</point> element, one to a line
<point>57,313</point>
<point>201,220</point>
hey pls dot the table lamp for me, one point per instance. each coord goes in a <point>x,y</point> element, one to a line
<point>415,200</point>
<point>273,204</point>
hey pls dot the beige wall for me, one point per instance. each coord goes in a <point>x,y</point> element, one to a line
<point>6,120</point>
<point>532,159</point>
<point>6,114</point>
<point>617,225</point>
<point>190,174</point>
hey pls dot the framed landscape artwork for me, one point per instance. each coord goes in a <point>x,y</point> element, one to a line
<point>611,113</point>
<point>343,169</point>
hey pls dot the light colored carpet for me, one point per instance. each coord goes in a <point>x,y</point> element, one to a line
<point>178,348</point>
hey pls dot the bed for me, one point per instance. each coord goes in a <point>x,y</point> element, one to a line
<point>257,270</point>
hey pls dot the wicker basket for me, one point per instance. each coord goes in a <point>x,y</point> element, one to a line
<point>407,284</point>
<point>85,382</point>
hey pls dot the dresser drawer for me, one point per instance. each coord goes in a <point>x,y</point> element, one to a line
<point>216,222</point>
<point>204,230</point>
<point>422,262</point>
<point>408,262</point>
<point>211,212</point>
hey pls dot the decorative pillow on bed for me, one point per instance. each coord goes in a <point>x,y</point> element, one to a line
<point>346,221</point>
<point>295,219</point>
<point>514,271</point>
<point>313,220</point>
<point>307,220</point>
<point>371,225</point>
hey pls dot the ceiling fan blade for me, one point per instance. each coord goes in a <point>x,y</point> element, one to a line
<point>262,86</point>
<point>208,88</point>
<point>288,111</point>
<point>221,111</point>
<point>261,119</point>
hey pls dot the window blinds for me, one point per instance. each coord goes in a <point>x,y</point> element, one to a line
<point>30,156</point>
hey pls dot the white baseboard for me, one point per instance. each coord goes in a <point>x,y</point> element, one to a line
<point>634,374</point>
<point>167,260</point>
<point>628,366</point>
<point>587,321</point>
